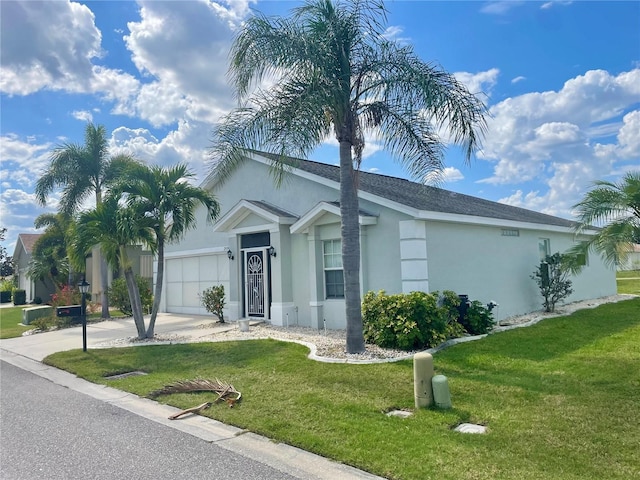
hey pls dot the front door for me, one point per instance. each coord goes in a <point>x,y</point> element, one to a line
<point>256,292</point>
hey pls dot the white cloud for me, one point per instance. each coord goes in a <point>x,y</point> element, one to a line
<point>565,139</point>
<point>184,51</point>
<point>83,115</point>
<point>518,79</point>
<point>481,82</point>
<point>500,7</point>
<point>47,45</point>
<point>22,161</point>
<point>548,5</point>
<point>629,136</point>
<point>393,33</point>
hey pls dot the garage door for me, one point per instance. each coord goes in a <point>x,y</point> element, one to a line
<point>186,277</point>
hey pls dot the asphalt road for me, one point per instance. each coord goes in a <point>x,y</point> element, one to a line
<point>48,431</point>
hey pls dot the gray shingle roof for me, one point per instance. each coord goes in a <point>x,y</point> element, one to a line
<point>429,198</point>
<point>272,208</point>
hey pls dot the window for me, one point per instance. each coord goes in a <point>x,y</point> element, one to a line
<point>544,246</point>
<point>333,276</point>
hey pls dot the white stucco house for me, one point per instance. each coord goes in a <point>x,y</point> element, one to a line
<point>277,250</point>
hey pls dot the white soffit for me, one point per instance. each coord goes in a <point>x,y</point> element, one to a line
<point>313,215</point>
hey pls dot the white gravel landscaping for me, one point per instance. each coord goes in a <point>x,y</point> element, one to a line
<point>329,345</point>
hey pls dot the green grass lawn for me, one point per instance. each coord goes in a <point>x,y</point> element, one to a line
<point>10,319</point>
<point>561,399</point>
<point>629,282</point>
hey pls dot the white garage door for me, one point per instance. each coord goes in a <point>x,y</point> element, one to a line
<point>186,277</point>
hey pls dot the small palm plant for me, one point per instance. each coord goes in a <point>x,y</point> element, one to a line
<point>212,299</point>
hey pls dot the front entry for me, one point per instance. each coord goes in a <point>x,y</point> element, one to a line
<point>256,275</point>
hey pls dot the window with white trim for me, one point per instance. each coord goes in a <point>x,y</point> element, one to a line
<point>333,275</point>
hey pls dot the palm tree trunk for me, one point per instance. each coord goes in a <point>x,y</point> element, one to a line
<point>349,211</point>
<point>157,293</point>
<point>104,284</point>
<point>136,303</point>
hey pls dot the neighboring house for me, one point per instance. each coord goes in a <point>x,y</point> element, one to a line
<point>277,250</point>
<point>22,255</point>
<point>632,262</point>
<point>141,261</point>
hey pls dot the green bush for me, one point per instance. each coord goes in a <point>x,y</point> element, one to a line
<point>5,296</point>
<point>551,276</point>
<point>19,297</point>
<point>478,320</point>
<point>212,300</point>
<point>404,321</point>
<point>119,295</point>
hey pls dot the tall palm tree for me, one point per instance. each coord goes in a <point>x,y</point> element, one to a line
<point>337,75</point>
<point>165,197</point>
<point>82,171</point>
<point>617,207</point>
<point>114,227</point>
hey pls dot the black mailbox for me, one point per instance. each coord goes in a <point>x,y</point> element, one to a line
<point>69,311</point>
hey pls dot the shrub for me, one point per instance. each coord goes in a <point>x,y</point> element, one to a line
<point>5,296</point>
<point>47,323</point>
<point>552,279</point>
<point>19,297</point>
<point>119,295</point>
<point>403,321</point>
<point>478,320</point>
<point>7,286</point>
<point>37,300</point>
<point>212,300</point>
<point>66,295</point>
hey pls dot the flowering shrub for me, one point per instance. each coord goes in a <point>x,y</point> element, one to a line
<point>66,296</point>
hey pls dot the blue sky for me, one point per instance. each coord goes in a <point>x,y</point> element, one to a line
<point>561,79</point>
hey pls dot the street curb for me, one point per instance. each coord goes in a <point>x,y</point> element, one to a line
<point>284,458</point>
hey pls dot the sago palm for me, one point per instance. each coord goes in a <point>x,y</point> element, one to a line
<point>83,171</point>
<point>165,198</point>
<point>332,72</point>
<point>615,207</point>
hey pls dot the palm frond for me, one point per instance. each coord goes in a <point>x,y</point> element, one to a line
<point>225,391</point>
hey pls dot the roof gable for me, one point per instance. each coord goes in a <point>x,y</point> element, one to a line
<point>254,212</point>
<point>25,243</point>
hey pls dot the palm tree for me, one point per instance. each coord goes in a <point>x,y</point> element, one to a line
<point>82,171</point>
<point>617,206</point>
<point>164,197</point>
<point>114,227</point>
<point>337,75</point>
<point>49,257</point>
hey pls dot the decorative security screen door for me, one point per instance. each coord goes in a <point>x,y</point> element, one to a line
<point>256,287</point>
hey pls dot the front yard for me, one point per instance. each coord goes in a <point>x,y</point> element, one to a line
<point>560,399</point>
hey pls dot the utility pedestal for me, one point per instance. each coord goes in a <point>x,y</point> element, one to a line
<point>422,375</point>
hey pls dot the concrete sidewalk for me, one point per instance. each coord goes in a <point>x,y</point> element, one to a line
<point>28,351</point>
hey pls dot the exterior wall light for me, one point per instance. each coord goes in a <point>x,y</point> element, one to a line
<point>272,251</point>
<point>229,254</point>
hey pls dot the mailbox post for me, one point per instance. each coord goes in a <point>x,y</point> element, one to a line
<point>83,286</point>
